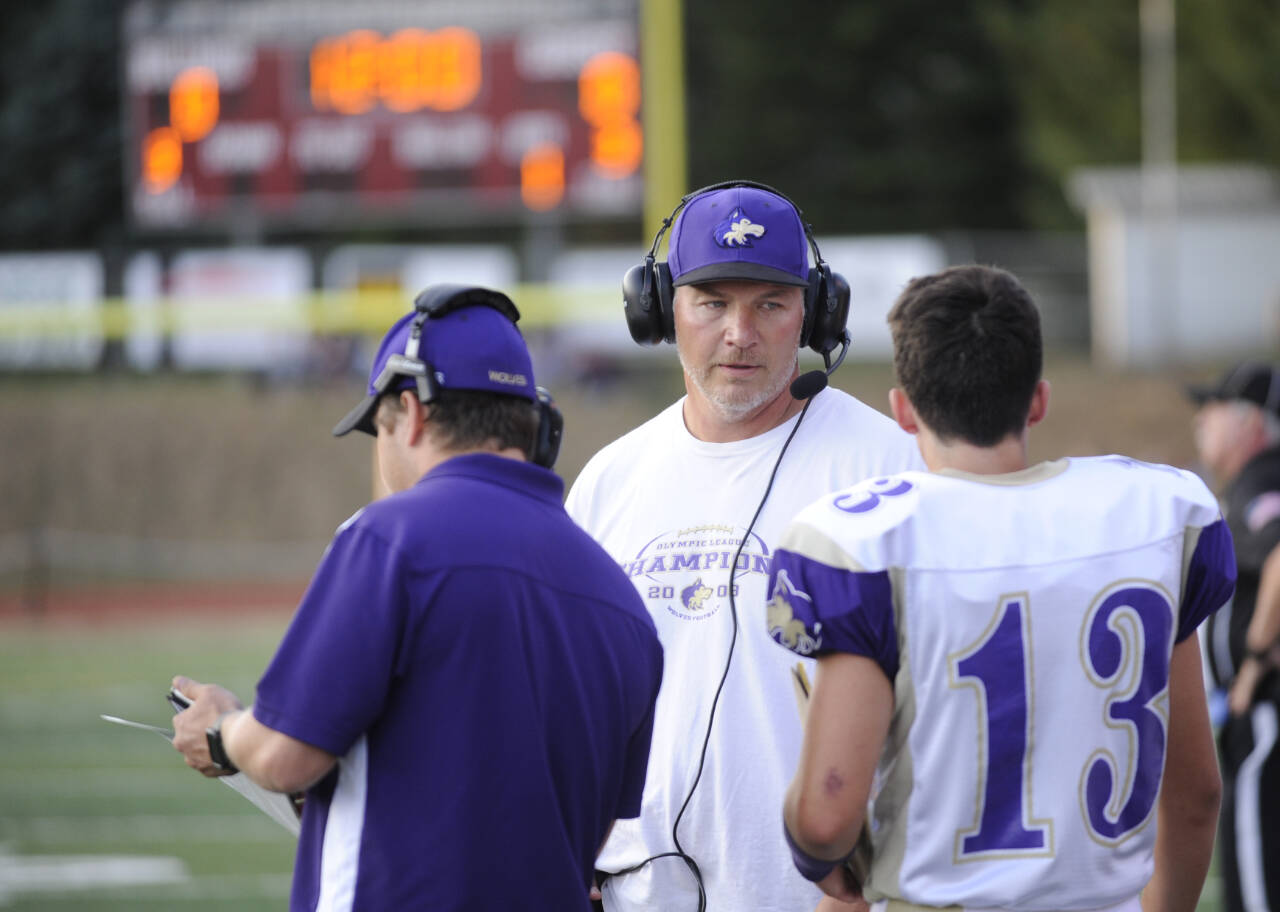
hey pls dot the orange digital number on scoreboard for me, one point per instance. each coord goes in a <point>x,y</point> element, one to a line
<point>193,103</point>
<point>542,177</point>
<point>161,159</point>
<point>609,100</point>
<point>408,71</point>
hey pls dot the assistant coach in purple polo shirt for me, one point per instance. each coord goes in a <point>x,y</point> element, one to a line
<point>466,691</point>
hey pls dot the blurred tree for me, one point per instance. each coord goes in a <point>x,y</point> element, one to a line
<point>971,113</point>
<point>1075,66</point>
<point>872,116</point>
<point>60,185</point>
<point>1228,81</point>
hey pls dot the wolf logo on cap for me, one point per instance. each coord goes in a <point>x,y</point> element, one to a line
<point>737,230</point>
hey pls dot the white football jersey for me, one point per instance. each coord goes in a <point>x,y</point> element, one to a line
<point>1027,623</point>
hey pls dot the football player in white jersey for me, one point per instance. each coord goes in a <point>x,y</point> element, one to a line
<point>1009,691</point>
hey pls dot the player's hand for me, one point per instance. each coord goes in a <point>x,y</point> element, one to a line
<point>844,893</point>
<point>831,904</point>
<point>208,702</point>
<point>1240,696</point>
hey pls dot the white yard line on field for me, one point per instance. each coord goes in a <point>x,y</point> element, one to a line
<point>143,828</point>
<point>20,874</point>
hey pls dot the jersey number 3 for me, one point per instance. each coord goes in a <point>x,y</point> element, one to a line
<point>1124,650</point>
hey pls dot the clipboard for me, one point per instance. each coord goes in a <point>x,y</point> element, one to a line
<point>283,809</point>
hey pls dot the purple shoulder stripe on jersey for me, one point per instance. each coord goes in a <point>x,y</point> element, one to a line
<point>815,608</point>
<point>1211,578</point>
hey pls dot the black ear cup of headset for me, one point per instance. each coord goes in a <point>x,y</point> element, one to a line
<point>647,302</point>
<point>438,300</point>
<point>546,442</point>
<point>648,296</point>
<point>826,309</point>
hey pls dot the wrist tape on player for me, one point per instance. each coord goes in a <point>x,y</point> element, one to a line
<point>810,868</point>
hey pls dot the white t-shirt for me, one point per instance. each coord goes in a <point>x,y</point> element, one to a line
<point>1027,623</point>
<point>672,509</point>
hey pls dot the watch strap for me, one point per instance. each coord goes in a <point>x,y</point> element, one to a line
<point>218,751</point>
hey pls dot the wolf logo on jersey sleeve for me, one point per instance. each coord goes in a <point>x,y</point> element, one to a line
<point>1026,622</point>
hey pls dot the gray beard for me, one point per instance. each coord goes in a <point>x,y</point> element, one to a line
<point>735,409</point>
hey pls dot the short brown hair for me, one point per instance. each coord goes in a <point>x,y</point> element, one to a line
<point>473,419</point>
<point>967,352</point>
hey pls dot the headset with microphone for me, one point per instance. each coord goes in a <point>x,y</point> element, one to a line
<point>810,383</point>
<point>648,297</point>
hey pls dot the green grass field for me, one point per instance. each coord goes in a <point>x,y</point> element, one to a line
<point>87,809</point>
<point>84,802</point>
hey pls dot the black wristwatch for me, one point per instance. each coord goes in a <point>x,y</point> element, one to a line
<point>217,752</point>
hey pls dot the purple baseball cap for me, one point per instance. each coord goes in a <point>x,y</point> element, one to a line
<point>739,233</point>
<point>475,347</point>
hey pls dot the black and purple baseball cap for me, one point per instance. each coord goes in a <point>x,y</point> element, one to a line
<point>469,348</point>
<point>739,233</point>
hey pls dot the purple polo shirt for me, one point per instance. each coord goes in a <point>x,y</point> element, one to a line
<point>487,674</point>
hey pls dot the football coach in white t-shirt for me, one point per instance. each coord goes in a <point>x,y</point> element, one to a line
<point>690,505</point>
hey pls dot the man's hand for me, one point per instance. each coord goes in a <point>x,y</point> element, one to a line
<point>1240,696</point>
<point>208,703</point>
<point>844,893</point>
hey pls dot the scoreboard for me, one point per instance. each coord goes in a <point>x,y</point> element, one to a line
<point>335,114</point>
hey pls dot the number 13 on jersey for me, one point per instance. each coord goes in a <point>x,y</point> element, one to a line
<point>1124,647</point>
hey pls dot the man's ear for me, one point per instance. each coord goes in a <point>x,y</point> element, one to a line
<point>415,413</point>
<point>1039,404</point>
<point>903,411</point>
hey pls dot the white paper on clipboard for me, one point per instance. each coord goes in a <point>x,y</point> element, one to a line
<point>276,805</point>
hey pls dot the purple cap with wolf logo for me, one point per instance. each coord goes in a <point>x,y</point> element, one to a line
<point>739,233</point>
